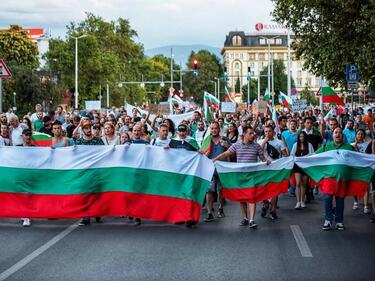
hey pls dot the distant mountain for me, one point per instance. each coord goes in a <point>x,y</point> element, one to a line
<point>181,53</point>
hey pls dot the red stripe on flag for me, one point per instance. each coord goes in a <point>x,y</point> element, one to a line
<point>42,142</point>
<point>255,194</point>
<point>152,207</point>
<point>333,99</point>
<point>343,188</point>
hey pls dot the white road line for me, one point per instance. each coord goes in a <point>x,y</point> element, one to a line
<point>13,269</point>
<point>301,241</point>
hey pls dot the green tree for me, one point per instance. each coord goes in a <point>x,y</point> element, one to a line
<point>332,34</point>
<point>280,78</point>
<point>21,56</point>
<point>209,68</point>
<point>253,90</point>
<point>107,55</point>
<point>309,96</point>
<point>237,86</point>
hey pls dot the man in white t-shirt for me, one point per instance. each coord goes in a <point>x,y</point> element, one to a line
<point>273,149</point>
<point>163,139</point>
<point>16,129</point>
<point>38,108</point>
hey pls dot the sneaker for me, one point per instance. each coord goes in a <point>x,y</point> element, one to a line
<point>355,206</point>
<point>303,205</point>
<point>327,225</point>
<point>244,222</point>
<point>26,222</point>
<point>366,210</point>
<point>220,213</point>
<point>273,215</point>
<point>190,224</point>
<point>98,219</point>
<point>298,206</point>
<point>252,224</point>
<point>209,218</point>
<point>85,221</point>
<point>137,222</point>
<point>340,226</point>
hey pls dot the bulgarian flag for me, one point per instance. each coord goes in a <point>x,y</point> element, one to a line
<point>91,181</point>
<point>41,139</point>
<point>254,182</point>
<point>177,99</point>
<point>209,102</point>
<point>285,100</point>
<point>329,115</point>
<point>340,172</point>
<point>329,95</point>
<point>227,95</point>
<point>206,146</point>
<point>267,96</point>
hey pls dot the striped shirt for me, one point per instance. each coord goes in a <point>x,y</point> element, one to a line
<point>246,153</point>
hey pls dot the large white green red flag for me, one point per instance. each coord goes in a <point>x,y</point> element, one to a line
<point>209,102</point>
<point>340,172</point>
<point>90,181</point>
<point>254,182</point>
<point>285,100</point>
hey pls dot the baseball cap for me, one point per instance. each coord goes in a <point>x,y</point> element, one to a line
<point>27,132</point>
<point>182,128</point>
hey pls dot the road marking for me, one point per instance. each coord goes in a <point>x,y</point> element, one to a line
<point>301,241</point>
<point>13,269</point>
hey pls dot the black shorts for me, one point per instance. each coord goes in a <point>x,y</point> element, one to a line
<point>297,169</point>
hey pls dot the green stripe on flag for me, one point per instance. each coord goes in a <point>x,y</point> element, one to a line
<point>82,181</point>
<point>253,179</point>
<point>339,173</point>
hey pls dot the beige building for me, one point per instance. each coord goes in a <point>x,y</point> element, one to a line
<point>251,50</point>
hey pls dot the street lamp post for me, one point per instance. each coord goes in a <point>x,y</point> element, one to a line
<point>76,70</point>
<point>269,59</point>
<point>14,102</point>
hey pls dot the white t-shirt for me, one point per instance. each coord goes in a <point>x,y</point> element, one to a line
<point>159,142</point>
<point>16,135</point>
<point>276,143</point>
<point>199,136</point>
<point>115,141</point>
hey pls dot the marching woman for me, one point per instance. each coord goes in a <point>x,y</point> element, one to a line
<point>301,148</point>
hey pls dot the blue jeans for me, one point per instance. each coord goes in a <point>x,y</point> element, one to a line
<point>339,210</point>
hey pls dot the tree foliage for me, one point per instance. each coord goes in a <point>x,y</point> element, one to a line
<point>280,79</point>
<point>209,68</point>
<point>332,34</point>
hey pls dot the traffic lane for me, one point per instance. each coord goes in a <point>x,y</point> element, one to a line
<point>17,242</point>
<point>112,252</point>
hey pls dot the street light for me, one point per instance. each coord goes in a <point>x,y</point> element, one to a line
<point>76,70</point>
<point>269,61</point>
<point>14,102</point>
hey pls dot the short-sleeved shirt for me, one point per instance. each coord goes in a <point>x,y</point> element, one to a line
<point>217,149</point>
<point>277,144</point>
<point>246,153</point>
<point>290,138</point>
<point>332,146</point>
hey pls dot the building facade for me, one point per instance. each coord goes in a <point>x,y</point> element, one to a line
<point>256,50</point>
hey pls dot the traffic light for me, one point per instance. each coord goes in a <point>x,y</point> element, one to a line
<point>248,73</point>
<point>195,67</point>
<point>195,64</point>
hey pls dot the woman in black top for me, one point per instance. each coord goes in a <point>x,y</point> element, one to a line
<point>301,148</point>
<point>232,133</point>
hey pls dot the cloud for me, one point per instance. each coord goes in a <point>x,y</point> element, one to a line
<point>158,23</point>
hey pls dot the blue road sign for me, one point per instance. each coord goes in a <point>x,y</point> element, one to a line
<point>352,74</point>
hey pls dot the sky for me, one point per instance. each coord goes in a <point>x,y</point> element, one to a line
<point>157,22</point>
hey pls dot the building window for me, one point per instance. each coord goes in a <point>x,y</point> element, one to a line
<point>236,73</point>
<point>252,56</point>
<point>262,41</point>
<point>299,73</point>
<point>237,41</point>
<point>237,65</point>
<point>271,41</point>
<point>299,82</point>
<point>261,57</point>
<point>241,56</point>
<point>281,56</point>
<point>231,56</point>
<point>279,41</point>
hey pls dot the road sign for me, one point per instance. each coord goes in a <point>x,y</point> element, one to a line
<point>353,85</point>
<point>4,71</point>
<point>352,74</point>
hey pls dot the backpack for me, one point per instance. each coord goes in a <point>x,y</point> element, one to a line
<point>272,151</point>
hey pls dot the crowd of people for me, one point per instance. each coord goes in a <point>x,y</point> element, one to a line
<point>236,137</point>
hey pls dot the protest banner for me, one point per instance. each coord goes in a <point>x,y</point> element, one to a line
<point>260,107</point>
<point>229,107</point>
<point>93,105</point>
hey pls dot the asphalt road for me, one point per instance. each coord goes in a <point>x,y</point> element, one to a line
<point>292,248</point>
